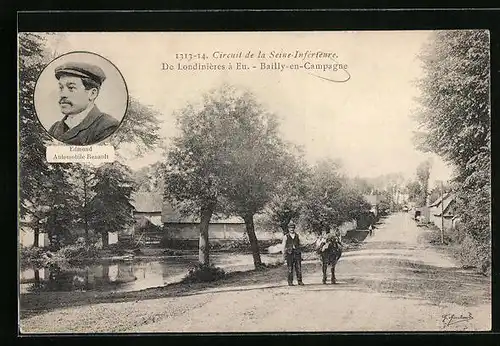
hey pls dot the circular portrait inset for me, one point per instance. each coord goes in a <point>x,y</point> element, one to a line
<point>81,98</point>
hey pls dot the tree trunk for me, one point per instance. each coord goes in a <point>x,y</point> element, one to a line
<point>105,273</point>
<point>284,224</point>
<point>254,245</point>
<point>204,245</point>
<point>37,278</point>
<point>85,216</point>
<point>105,239</point>
<point>284,228</point>
<point>36,235</point>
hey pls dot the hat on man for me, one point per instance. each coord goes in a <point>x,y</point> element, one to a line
<point>81,69</point>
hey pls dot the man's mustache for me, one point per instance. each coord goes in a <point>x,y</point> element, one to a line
<point>65,101</point>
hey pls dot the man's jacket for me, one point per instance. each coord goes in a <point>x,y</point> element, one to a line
<point>292,244</point>
<point>96,127</point>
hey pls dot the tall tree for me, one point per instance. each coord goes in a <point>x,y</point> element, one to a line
<point>423,174</point>
<point>198,159</point>
<point>226,160</point>
<point>414,191</point>
<point>60,204</point>
<point>83,179</point>
<point>454,118</point>
<point>32,162</point>
<point>287,200</point>
<point>42,185</point>
<point>258,161</point>
<point>110,208</point>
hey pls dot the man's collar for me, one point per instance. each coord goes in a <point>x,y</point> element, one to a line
<point>92,116</point>
<point>73,120</point>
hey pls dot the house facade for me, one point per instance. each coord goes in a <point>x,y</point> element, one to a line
<point>147,216</point>
<point>156,219</point>
<point>27,237</point>
<point>442,212</point>
<point>221,229</point>
<point>26,234</point>
<point>373,200</point>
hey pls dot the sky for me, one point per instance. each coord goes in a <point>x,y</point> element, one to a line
<point>365,122</point>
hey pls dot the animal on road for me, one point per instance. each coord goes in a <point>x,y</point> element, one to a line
<point>329,248</point>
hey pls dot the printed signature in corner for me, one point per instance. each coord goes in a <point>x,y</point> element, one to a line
<point>449,319</point>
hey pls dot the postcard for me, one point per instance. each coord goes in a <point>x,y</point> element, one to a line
<point>312,181</point>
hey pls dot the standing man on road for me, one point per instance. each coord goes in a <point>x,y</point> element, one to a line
<point>292,254</point>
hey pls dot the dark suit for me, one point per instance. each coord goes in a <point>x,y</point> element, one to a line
<point>293,257</point>
<point>94,128</point>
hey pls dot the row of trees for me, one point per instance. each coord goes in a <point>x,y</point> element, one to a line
<point>454,115</point>
<point>60,198</point>
<point>390,187</point>
<point>230,159</point>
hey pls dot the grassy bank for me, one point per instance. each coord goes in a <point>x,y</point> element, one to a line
<point>431,234</point>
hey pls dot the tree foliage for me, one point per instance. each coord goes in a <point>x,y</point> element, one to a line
<point>423,174</point>
<point>454,112</point>
<point>32,162</point>
<point>414,190</point>
<point>150,178</point>
<point>110,207</point>
<point>287,200</point>
<point>199,157</point>
<point>198,160</point>
<point>331,199</point>
<point>258,161</point>
<point>42,186</point>
<point>454,117</point>
<point>139,132</point>
<point>227,160</point>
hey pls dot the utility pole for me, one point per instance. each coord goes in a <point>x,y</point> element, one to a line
<point>442,212</point>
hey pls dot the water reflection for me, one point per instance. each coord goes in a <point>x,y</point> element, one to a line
<point>123,276</point>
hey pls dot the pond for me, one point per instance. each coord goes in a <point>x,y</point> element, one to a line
<point>125,276</point>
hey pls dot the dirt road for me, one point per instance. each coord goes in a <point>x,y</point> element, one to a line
<point>394,282</point>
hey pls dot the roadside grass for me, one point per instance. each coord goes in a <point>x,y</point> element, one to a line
<point>462,252</point>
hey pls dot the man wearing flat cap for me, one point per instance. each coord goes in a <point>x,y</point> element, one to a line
<point>292,254</point>
<point>83,123</point>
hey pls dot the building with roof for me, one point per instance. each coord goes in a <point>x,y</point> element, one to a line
<point>442,211</point>
<point>158,219</point>
<point>374,200</point>
<point>148,207</point>
<point>221,229</point>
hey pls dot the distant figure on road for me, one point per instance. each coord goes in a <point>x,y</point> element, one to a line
<point>329,248</point>
<point>292,254</point>
<point>370,230</point>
